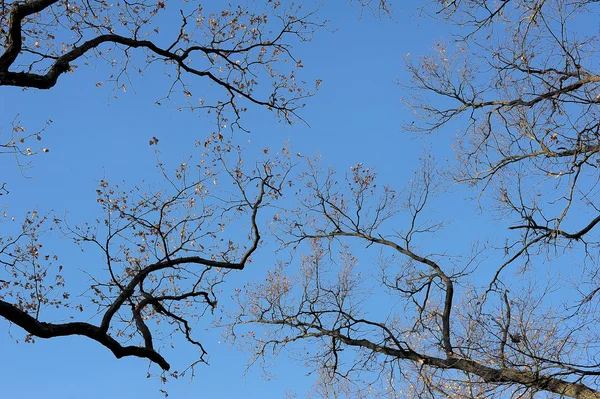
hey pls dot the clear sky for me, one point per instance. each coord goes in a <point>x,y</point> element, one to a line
<point>355,117</point>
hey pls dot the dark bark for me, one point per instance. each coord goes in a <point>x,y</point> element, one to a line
<point>50,330</point>
<point>239,82</point>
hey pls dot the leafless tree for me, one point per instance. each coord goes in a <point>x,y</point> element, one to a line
<point>164,248</point>
<point>520,319</point>
<point>360,289</point>
<point>522,80</point>
<point>428,324</point>
<point>163,251</point>
<point>231,48</point>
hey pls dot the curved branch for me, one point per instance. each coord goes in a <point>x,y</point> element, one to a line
<point>488,374</point>
<point>449,285</point>
<point>549,232</point>
<point>50,330</point>
<point>234,86</point>
<point>14,44</point>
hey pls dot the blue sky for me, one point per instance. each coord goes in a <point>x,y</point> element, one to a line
<point>355,117</point>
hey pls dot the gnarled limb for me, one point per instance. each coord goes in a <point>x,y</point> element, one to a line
<point>50,330</point>
<point>234,49</point>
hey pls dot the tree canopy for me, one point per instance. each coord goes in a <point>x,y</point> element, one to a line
<point>473,275</point>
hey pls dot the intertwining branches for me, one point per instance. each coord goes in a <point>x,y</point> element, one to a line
<point>234,49</point>
<point>428,325</point>
<point>361,281</point>
<point>164,251</point>
<point>523,81</point>
<point>521,78</point>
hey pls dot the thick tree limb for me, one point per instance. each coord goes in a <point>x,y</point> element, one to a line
<point>18,12</point>
<point>488,374</point>
<point>504,375</point>
<point>237,77</point>
<point>49,330</point>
